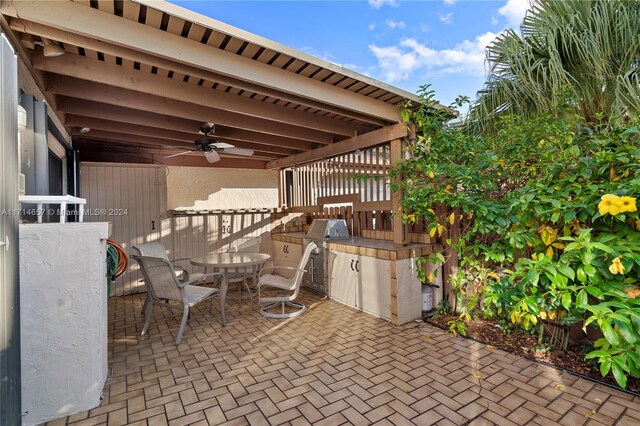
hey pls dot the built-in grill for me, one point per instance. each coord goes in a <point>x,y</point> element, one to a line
<point>320,232</point>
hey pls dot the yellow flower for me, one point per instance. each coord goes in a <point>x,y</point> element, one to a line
<point>616,266</point>
<point>548,235</point>
<point>534,257</point>
<point>627,204</point>
<point>432,175</point>
<point>610,203</point>
<point>549,252</point>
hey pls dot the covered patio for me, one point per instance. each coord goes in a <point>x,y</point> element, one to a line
<point>331,366</point>
<point>124,86</point>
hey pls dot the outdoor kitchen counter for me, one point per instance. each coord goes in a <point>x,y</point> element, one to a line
<point>383,249</point>
<point>289,237</point>
<point>378,278</point>
<point>371,275</point>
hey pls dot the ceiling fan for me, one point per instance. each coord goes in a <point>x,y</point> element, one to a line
<point>210,146</point>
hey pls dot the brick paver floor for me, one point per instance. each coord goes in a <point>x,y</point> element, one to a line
<point>331,366</point>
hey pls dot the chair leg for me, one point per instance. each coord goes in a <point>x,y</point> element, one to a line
<point>185,317</point>
<point>146,304</point>
<point>148,320</point>
<point>300,309</point>
<point>246,285</point>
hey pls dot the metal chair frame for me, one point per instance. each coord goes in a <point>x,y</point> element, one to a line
<point>289,286</point>
<point>163,286</point>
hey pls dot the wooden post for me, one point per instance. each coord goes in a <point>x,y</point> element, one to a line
<point>400,233</point>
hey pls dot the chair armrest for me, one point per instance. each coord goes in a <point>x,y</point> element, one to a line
<point>200,279</point>
<point>273,268</point>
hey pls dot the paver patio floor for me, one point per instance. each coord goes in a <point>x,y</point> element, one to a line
<point>331,366</point>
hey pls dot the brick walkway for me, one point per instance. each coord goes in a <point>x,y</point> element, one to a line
<point>331,366</point>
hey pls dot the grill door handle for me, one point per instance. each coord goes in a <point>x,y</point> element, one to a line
<point>357,270</point>
<point>352,264</point>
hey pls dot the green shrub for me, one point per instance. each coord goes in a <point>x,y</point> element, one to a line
<point>550,228</point>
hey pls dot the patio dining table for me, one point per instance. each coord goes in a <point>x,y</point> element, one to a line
<point>229,263</point>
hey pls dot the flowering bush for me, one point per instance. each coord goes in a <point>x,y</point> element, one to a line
<point>550,228</point>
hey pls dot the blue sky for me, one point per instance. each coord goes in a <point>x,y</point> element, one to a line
<point>403,43</point>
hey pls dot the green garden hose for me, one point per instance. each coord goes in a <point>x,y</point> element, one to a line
<point>112,266</point>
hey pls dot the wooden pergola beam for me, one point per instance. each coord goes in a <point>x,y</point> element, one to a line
<point>69,38</point>
<point>152,142</point>
<point>400,229</point>
<point>89,22</point>
<point>84,108</point>
<point>83,89</point>
<point>97,71</point>
<point>96,145</point>
<point>148,158</point>
<point>373,138</point>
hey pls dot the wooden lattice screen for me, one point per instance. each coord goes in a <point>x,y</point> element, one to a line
<point>362,174</point>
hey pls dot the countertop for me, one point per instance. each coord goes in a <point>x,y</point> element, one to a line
<point>383,249</point>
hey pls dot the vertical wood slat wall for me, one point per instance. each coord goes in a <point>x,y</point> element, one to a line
<point>141,192</point>
<point>363,173</point>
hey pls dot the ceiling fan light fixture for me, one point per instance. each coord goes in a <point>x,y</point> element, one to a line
<point>51,49</point>
<point>207,128</point>
<point>212,156</point>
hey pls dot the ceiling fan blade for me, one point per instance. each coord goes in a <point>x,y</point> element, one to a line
<point>221,145</point>
<point>180,153</point>
<point>238,151</point>
<point>212,156</point>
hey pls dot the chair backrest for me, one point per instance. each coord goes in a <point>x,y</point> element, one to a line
<point>151,250</point>
<point>297,277</point>
<point>160,277</point>
<point>246,245</point>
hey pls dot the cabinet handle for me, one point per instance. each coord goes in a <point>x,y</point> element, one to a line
<point>357,270</point>
<point>352,264</point>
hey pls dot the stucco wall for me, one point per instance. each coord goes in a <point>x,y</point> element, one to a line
<point>63,318</point>
<point>204,188</point>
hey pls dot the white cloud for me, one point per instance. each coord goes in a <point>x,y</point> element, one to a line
<point>371,27</point>
<point>450,2</point>
<point>447,18</point>
<point>398,62</point>
<point>494,21</point>
<point>514,11</point>
<point>395,24</point>
<point>425,28</point>
<point>377,4</point>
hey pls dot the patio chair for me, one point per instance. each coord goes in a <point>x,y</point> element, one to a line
<point>163,287</point>
<point>158,250</point>
<point>244,245</point>
<point>287,288</point>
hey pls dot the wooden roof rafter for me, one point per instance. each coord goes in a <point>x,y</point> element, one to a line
<point>149,67</point>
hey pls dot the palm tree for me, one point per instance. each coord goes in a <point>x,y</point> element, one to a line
<point>583,55</point>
